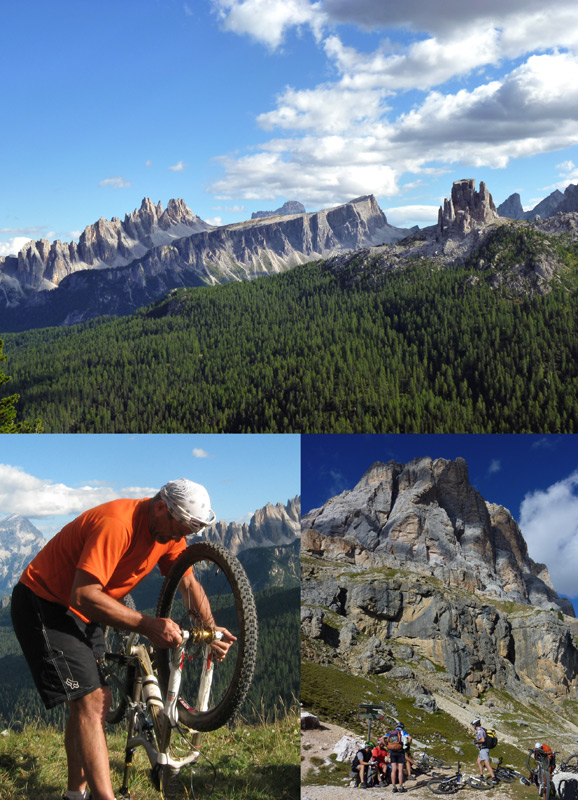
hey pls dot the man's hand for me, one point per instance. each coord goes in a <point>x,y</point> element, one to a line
<point>220,647</point>
<point>161,632</point>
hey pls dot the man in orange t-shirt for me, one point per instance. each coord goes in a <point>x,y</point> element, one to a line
<point>75,584</point>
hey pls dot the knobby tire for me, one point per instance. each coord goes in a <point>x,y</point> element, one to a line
<point>443,785</point>
<point>233,606</point>
<point>121,676</point>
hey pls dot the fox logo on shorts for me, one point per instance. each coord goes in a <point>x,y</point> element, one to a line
<point>71,684</point>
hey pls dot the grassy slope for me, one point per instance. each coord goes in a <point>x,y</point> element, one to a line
<point>251,763</point>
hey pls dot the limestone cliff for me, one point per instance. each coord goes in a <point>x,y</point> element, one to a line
<point>414,557</point>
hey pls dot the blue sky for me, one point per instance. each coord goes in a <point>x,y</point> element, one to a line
<point>239,105</point>
<point>50,479</point>
<point>534,476</point>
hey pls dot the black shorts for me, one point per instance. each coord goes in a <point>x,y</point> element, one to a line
<point>397,756</point>
<point>61,649</point>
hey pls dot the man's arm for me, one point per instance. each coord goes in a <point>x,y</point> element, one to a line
<point>88,597</point>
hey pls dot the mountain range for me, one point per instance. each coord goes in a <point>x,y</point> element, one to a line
<point>555,203</point>
<point>413,558</point>
<point>275,527</point>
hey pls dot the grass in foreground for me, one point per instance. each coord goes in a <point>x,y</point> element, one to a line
<point>248,763</point>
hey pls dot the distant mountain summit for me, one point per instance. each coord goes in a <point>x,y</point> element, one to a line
<point>555,203</point>
<point>271,526</point>
<point>290,207</point>
<point>20,541</point>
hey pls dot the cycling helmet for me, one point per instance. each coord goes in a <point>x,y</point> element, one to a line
<point>399,726</point>
<point>538,746</point>
<point>476,721</point>
<point>188,503</point>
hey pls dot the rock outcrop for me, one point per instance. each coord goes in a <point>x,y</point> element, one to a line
<point>466,210</point>
<point>512,207</point>
<point>413,574</point>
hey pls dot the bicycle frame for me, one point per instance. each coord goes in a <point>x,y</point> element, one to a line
<point>151,721</point>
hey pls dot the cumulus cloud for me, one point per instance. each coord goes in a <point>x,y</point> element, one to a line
<point>495,466</point>
<point>407,216</point>
<point>30,496</point>
<point>549,523</point>
<point>13,246</point>
<point>178,167</point>
<point>267,21</point>
<point>492,82</point>
<point>115,183</point>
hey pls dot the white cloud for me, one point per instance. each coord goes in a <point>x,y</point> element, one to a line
<point>495,466</point>
<point>216,221</point>
<point>25,494</point>
<point>115,183</point>
<point>178,167</point>
<point>267,21</point>
<point>549,523</point>
<point>13,246</point>
<point>200,453</point>
<point>407,216</point>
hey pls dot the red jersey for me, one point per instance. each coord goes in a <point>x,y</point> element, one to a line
<point>111,542</point>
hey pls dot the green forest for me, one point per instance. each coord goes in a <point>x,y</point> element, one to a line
<point>274,691</point>
<point>423,349</point>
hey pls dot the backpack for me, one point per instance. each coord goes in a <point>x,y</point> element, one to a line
<point>394,741</point>
<point>491,739</point>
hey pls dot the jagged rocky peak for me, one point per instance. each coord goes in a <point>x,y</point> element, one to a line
<point>271,526</point>
<point>19,543</point>
<point>426,515</point>
<point>467,209</point>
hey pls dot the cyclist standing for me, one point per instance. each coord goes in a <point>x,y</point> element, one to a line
<point>75,584</point>
<point>394,744</point>
<point>484,751</point>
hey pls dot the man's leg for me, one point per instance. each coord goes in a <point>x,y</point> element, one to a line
<point>490,770</point>
<point>85,742</point>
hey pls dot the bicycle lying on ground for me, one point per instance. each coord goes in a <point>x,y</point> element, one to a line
<point>509,774</point>
<point>171,696</point>
<point>569,764</point>
<point>455,782</point>
<point>427,762</point>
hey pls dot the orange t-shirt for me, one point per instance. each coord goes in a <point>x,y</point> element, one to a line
<point>111,542</point>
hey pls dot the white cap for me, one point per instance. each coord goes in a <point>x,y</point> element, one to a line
<point>188,502</point>
<point>537,746</point>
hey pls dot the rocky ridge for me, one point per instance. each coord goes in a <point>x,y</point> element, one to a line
<point>240,251</point>
<point>555,203</point>
<point>413,574</point>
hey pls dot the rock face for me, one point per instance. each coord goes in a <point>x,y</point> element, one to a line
<point>290,207</point>
<point>210,256</point>
<point>414,566</point>
<point>467,209</point>
<point>19,543</point>
<point>271,526</point>
<point>427,514</point>
<point>555,203</point>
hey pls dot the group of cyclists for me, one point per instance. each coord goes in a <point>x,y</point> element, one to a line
<point>389,761</point>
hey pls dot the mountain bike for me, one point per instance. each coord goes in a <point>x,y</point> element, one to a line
<point>427,762</point>
<point>455,782</point>
<point>540,772</point>
<point>509,774</point>
<point>569,764</point>
<point>171,696</point>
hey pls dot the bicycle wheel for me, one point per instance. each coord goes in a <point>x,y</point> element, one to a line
<point>232,605</point>
<point>570,764</point>
<point>119,676</point>
<point>503,774</point>
<point>545,782</point>
<point>479,783</point>
<point>443,785</point>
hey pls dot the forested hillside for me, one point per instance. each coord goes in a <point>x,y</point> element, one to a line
<point>423,348</point>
